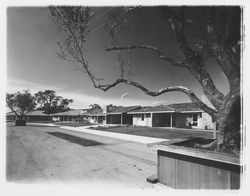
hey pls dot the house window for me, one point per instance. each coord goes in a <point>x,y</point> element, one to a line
<point>148,115</point>
<point>194,119</point>
<point>142,117</point>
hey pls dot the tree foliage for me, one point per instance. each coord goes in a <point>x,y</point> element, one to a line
<point>50,103</point>
<point>95,106</point>
<point>218,38</point>
<point>20,103</point>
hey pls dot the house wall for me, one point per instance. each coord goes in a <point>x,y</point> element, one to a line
<point>30,118</point>
<point>179,120</point>
<point>67,118</point>
<point>146,120</point>
<point>185,120</point>
<point>37,118</point>
<point>93,119</point>
<point>11,117</point>
<point>206,121</point>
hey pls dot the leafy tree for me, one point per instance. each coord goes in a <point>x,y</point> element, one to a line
<point>20,103</point>
<point>95,106</point>
<point>50,103</point>
<point>218,38</point>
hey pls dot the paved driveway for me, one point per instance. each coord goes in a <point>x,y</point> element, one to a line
<point>50,154</point>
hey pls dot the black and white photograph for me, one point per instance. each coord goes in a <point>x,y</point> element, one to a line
<point>125,96</point>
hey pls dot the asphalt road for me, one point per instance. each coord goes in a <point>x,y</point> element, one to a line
<point>41,154</point>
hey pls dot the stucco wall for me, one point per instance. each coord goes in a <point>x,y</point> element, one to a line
<point>93,120</point>
<point>206,121</point>
<point>180,120</point>
<point>203,121</point>
<point>137,120</point>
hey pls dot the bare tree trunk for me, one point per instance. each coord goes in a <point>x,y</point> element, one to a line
<point>229,120</point>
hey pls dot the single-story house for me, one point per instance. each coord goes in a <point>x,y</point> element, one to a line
<point>119,114</point>
<point>69,116</point>
<point>34,116</point>
<point>111,115</point>
<point>182,115</point>
<point>95,116</point>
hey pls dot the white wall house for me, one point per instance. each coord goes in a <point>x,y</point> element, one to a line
<point>184,115</point>
<point>142,119</point>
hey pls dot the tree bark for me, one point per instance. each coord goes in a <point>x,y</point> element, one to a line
<point>229,121</point>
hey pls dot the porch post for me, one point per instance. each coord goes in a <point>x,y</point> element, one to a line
<point>121,119</point>
<point>151,119</point>
<point>171,120</point>
<point>97,119</point>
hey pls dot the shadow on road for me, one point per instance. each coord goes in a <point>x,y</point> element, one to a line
<point>74,139</point>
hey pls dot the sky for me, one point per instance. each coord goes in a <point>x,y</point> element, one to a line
<point>31,62</point>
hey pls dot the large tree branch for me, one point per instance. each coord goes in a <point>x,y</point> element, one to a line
<point>182,89</point>
<point>194,60</point>
<point>208,86</point>
<point>222,51</point>
<point>12,109</point>
<point>199,72</point>
<point>152,48</point>
<point>177,24</point>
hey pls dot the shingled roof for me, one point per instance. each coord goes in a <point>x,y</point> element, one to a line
<point>122,109</point>
<point>33,113</point>
<point>179,107</point>
<point>95,111</point>
<point>112,110</point>
<point>72,112</point>
<point>182,107</point>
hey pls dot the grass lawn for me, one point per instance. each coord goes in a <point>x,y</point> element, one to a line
<point>165,133</point>
<point>73,124</point>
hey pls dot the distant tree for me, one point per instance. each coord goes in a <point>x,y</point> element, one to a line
<point>20,103</point>
<point>218,38</point>
<point>50,103</point>
<point>95,106</point>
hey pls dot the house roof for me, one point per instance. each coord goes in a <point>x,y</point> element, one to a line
<point>179,107</point>
<point>159,108</point>
<point>94,111</point>
<point>112,110</point>
<point>121,109</point>
<point>33,113</point>
<point>72,112</point>
<point>182,107</point>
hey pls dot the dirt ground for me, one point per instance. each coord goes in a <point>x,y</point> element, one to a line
<point>41,154</point>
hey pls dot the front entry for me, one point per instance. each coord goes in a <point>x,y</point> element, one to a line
<point>163,120</point>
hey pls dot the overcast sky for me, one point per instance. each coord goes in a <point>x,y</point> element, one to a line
<point>31,63</point>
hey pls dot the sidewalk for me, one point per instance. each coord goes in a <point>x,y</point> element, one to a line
<point>134,138</point>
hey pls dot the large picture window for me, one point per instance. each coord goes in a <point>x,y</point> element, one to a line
<point>193,119</point>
